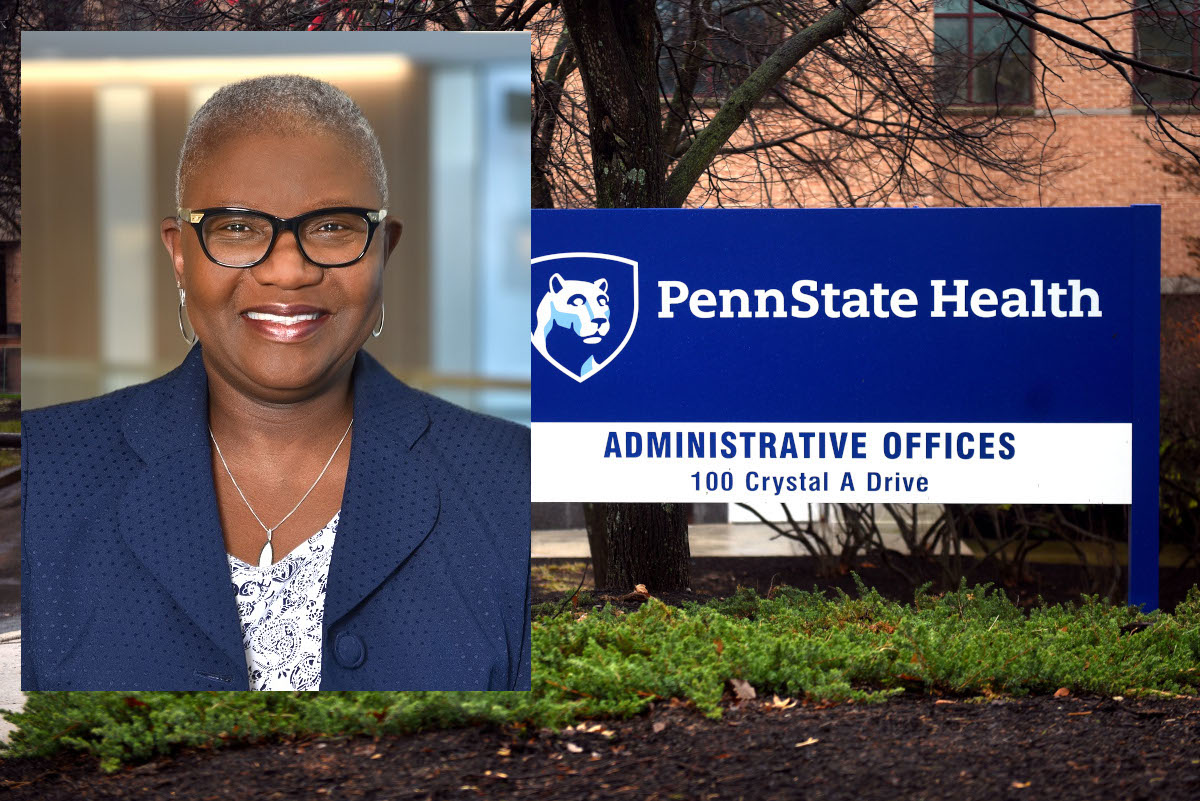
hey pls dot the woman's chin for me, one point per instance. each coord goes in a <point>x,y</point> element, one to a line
<point>287,376</point>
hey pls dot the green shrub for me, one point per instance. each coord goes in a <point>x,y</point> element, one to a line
<point>610,663</point>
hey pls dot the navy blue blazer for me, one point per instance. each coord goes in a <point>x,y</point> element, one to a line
<point>125,582</point>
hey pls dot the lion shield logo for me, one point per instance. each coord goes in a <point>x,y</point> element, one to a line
<point>584,309</point>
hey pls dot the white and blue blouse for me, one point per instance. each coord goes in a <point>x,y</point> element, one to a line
<point>281,608</point>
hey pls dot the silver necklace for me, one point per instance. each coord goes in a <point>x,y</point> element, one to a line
<point>267,556</point>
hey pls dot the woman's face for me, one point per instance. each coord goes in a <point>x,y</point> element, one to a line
<point>290,354</point>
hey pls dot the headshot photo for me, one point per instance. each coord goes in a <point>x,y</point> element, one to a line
<point>275,382</point>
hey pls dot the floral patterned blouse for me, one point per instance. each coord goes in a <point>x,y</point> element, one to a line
<point>281,608</point>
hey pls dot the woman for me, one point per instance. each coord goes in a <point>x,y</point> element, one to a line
<point>375,537</point>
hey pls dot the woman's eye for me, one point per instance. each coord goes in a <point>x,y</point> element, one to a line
<point>226,226</point>
<point>339,226</point>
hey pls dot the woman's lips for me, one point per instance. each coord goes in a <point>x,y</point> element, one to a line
<point>285,325</point>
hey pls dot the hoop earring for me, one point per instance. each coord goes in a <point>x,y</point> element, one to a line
<point>183,302</point>
<point>377,330</point>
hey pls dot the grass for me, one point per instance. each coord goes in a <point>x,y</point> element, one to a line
<point>10,457</point>
<point>606,663</point>
<point>557,577</point>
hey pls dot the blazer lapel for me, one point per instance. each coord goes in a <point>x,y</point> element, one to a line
<point>392,499</point>
<point>168,515</point>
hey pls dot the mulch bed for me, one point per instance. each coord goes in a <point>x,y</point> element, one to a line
<point>1041,748</point>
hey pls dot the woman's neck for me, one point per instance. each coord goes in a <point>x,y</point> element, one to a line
<point>268,426</point>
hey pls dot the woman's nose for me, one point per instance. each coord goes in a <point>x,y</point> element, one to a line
<point>286,265</point>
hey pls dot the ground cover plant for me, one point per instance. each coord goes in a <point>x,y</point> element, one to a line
<point>589,663</point>
<point>10,422</point>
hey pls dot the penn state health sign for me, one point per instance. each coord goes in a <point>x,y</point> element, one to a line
<point>898,355</point>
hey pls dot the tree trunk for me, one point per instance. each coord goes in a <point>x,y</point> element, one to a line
<point>547,96</point>
<point>595,517</point>
<point>616,45</point>
<point>647,544</point>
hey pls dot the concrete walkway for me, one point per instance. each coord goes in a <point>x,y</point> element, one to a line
<point>11,696</point>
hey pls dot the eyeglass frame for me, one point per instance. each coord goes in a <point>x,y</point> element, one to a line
<point>195,218</point>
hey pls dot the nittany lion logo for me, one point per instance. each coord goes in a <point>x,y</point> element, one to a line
<point>585,307</point>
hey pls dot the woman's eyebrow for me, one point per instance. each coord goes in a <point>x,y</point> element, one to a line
<point>341,201</point>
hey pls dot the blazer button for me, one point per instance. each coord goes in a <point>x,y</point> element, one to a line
<point>349,650</point>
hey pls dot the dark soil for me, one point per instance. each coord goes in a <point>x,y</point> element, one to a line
<point>720,576</point>
<point>1042,748</point>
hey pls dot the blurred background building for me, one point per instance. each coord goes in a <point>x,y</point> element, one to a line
<point>103,117</point>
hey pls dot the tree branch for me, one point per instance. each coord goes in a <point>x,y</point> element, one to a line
<point>733,113</point>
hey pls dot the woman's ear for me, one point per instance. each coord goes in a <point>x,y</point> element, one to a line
<point>392,228</point>
<point>171,231</point>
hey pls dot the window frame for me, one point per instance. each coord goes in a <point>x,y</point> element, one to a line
<point>710,88</point>
<point>972,13</point>
<point>1147,11</point>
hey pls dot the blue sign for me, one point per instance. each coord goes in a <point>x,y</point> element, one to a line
<point>905,355</point>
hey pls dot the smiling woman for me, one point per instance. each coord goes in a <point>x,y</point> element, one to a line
<point>278,512</point>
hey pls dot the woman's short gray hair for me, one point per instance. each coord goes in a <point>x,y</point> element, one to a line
<point>281,104</point>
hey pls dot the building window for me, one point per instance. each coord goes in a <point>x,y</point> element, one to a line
<point>1168,35</point>
<point>739,38</point>
<point>979,56</point>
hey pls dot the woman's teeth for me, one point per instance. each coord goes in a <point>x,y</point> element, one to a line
<point>279,318</point>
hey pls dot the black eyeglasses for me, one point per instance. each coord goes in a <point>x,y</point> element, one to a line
<point>234,237</point>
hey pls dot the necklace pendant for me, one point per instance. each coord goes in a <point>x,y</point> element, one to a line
<point>267,556</point>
